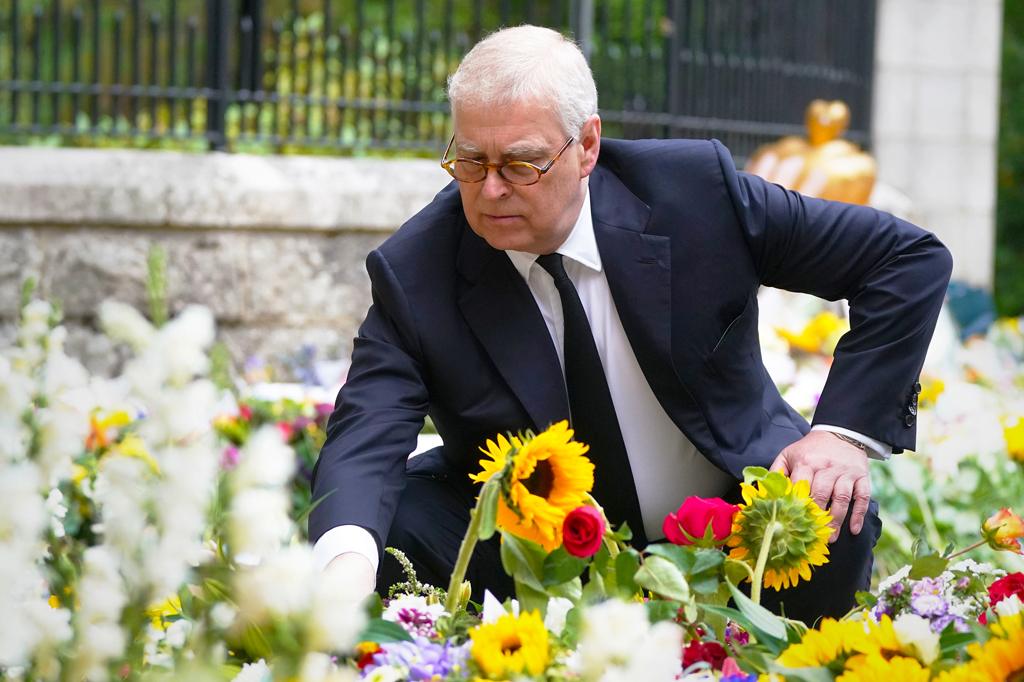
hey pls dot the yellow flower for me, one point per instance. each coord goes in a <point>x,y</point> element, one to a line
<point>1014,436</point>
<point>931,389</point>
<point>800,529</point>
<point>511,645</point>
<point>158,611</point>
<point>53,601</point>
<point>877,667</point>
<point>1000,658</point>
<point>820,335</point>
<point>102,429</point>
<point>1003,530</point>
<point>829,645</point>
<point>133,446</point>
<point>549,476</point>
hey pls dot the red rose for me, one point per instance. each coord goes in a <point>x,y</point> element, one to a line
<point>582,532</point>
<point>709,652</point>
<point>1007,586</point>
<point>693,518</point>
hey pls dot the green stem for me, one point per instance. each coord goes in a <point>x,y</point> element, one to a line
<point>462,563</point>
<point>762,560</point>
<point>965,550</point>
<point>934,537</point>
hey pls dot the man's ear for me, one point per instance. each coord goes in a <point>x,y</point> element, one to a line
<point>590,144</point>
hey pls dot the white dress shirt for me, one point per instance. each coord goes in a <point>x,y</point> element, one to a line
<point>666,466</point>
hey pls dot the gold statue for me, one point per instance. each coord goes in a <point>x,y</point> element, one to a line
<point>823,165</point>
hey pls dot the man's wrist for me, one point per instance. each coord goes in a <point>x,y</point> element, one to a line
<point>863,447</point>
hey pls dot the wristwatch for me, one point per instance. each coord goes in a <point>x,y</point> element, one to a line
<point>852,441</point>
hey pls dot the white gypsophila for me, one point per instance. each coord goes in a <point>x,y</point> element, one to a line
<point>558,609</point>
<point>976,568</point>
<point>916,635</point>
<point>62,433</point>
<point>411,601</point>
<point>258,521</point>
<point>254,672</point>
<point>896,577</point>
<point>618,643</point>
<point>122,322</point>
<point>178,632</point>
<point>1009,606</point>
<point>154,649</point>
<point>101,594</point>
<point>265,460</point>
<point>280,586</point>
<point>337,616</point>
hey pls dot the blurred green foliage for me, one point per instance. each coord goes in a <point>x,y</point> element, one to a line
<point>1009,276</point>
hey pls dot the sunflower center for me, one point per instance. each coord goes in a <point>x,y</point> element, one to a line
<point>542,480</point>
<point>510,645</point>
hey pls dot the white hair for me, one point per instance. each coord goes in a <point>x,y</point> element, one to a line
<point>527,64</point>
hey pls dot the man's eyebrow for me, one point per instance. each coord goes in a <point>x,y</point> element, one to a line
<point>527,148</point>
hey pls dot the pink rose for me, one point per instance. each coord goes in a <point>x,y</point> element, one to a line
<point>689,524</point>
<point>582,532</point>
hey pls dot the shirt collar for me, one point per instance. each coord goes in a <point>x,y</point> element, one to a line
<point>580,245</point>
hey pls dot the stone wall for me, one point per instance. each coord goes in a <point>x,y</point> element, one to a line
<point>273,245</point>
<point>936,117</point>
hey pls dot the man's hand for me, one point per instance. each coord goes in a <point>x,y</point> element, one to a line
<point>355,569</point>
<point>837,472</point>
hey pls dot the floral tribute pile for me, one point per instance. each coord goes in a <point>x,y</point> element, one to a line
<point>150,530</point>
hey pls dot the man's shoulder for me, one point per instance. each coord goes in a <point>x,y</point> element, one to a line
<point>686,169</point>
<point>433,229</point>
<point>629,153</point>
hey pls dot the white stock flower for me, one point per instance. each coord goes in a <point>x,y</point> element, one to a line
<point>23,511</point>
<point>254,672</point>
<point>281,586</point>
<point>177,633</point>
<point>337,615</point>
<point>258,521</point>
<point>121,496</point>
<point>182,344</point>
<point>98,644</point>
<point>62,434</point>
<point>558,609</point>
<point>618,643</point>
<point>318,667</point>
<point>35,322</point>
<point>915,633</point>
<point>387,673</point>
<point>223,615</point>
<point>63,374</point>
<point>1009,606</point>
<point>100,592</point>
<point>122,322</point>
<point>266,460</point>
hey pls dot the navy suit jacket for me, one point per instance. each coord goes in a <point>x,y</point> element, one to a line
<point>685,241</point>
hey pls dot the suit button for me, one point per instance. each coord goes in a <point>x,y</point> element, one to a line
<point>908,420</point>
<point>912,408</point>
<point>917,387</point>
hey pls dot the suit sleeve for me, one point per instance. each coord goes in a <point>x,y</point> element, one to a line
<point>379,413</point>
<point>893,273</point>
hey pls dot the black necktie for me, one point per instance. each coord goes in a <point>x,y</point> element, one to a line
<point>591,408</point>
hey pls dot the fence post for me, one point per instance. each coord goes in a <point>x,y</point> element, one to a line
<point>674,65</point>
<point>218,35</point>
<point>581,20</point>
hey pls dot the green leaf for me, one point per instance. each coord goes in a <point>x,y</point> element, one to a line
<point>818,674</point>
<point>866,599</point>
<point>752,474</point>
<point>381,631</point>
<point>661,609</point>
<point>927,566</point>
<point>487,507</point>
<point>594,590</point>
<point>623,533</point>
<point>531,599</point>
<point>523,560</point>
<point>775,483</point>
<point>626,565</point>
<point>707,560</point>
<point>760,618</point>
<point>571,631</point>
<point>560,566</point>
<point>571,590</point>
<point>374,605</point>
<point>682,557</point>
<point>661,576</point>
<point>952,642</point>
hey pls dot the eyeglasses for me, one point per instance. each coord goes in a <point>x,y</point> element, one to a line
<point>513,172</point>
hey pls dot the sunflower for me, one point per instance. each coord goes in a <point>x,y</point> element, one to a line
<point>544,478</point>
<point>830,645</point>
<point>1000,658</point>
<point>877,667</point>
<point>799,529</point>
<point>511,645</point>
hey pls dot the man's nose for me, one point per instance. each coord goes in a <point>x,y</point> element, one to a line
<point>495,186</point>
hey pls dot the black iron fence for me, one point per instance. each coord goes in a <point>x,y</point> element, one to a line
<point>350,75</point>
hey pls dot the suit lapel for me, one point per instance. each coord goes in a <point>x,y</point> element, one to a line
<point>499,308</point>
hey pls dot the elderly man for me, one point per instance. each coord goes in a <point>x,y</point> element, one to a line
<point>614,283</point>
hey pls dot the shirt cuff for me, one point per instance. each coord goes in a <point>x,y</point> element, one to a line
<point>876,449</point>
<point>343,539</point>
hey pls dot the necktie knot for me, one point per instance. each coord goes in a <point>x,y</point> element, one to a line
<point>552,262</point>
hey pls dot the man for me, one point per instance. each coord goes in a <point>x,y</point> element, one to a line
<point>642,329</point>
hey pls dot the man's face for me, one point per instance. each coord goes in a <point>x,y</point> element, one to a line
<point>534,218</point>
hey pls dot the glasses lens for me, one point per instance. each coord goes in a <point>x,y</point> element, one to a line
<point>467,171</point>
<point>520,173</point>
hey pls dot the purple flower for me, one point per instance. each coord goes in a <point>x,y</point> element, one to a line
<point>897,589</point>
<point>928,605</point>
<point>424,659</point>
<point>416,622</point>
<point>229,458</point>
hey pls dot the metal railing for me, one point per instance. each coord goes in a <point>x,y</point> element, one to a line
<point>346,76</point>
